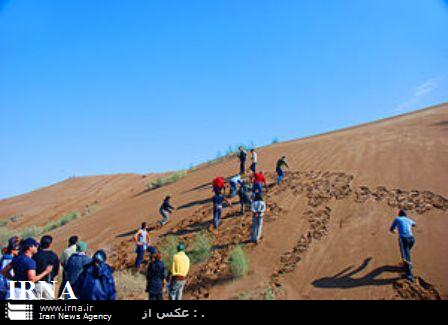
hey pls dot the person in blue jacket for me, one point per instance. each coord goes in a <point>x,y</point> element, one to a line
<point>156,276</point>
<point>406,239</point>
<point>96,281</point>
<point>76,262</point>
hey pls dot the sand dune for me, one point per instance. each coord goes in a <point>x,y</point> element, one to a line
<point>326,232</point>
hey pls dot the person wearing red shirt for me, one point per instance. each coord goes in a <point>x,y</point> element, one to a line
<point>218,184</point>
<point>259,180</point>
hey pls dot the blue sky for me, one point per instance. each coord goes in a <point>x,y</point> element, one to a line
<point>95,87</point>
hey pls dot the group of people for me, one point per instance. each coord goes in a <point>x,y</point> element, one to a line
<point>91,278</point>
<point>157,275</point>
<point>242,186</point>
<point>34,261</point>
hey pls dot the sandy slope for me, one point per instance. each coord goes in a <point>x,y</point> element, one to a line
<point>74,194</point>
<point>349,226</point>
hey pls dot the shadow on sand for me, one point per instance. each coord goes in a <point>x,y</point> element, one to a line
<point>345,279</point>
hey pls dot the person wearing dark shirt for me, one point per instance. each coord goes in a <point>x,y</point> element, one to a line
<point>165,210</point>
<point>43,258</point>
<point>96,281</point>
<point>242,155</point>
<point>279,169</point>
<point>156,276</point>
<point>218,201</point>
<point>244,196</point>
<point>24,268</point>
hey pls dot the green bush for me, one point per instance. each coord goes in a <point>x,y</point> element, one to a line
<point>201,248</point>
<point>269,294</point>
<point>167,248</point>
<point>162,181</point>
<point>33,231</point>
<point>60,222</point>
<point>239,265</point>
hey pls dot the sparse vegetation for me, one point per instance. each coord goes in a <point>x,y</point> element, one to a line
<point>201,248</point>
<point>167,248</point>
<point>269,294</point>
<point>239,265</point>
<point>245,296</point>
<point>162,181</point>
<point>35,231</point>
<point>129,285</point>
<point>60,222</point>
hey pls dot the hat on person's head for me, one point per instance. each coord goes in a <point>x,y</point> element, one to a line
<point>402,213</point>
<point>100,256</point>
<point>152,250</point>
<point>81,247</point>
<point>29,242</point>
<point>14,243</point>
<point>181,247</point>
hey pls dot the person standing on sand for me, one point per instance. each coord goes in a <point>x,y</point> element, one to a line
<point>71,249</point>
<point>253,166</point>
<point>242,156</point>
<point>44,257</point>
<point>406,239</point>
<point>258,209</point>
<point>218,201</point>
<point>76,262</point>
<point>179,271</point>
<point>165,210</point>
<point>218,184</point>
<point>142,240</point>
<point>279,169</point>
<point>155,276</point>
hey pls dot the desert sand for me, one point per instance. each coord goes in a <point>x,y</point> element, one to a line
<point>326,229</point>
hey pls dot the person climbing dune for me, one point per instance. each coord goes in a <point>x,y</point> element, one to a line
<point>259,180</point>
<point>406,240</point>
<point>253,166</point>
<point>233,185</point>
<point>218,184</point>
<point>165,210</point>
<point>258,209</point>
<point>218,201</point>
<point>242,156</point>
<point>279,169</point>
<point>243,194</point>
